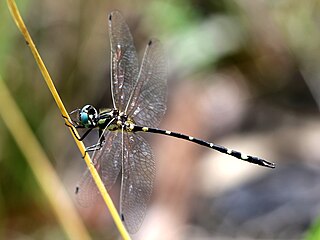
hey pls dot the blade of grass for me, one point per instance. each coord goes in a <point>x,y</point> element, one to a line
<point>313,233</point>
<point>41,167</point>
<point>18,20</point>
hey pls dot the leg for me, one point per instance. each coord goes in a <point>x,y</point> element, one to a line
<point>74,133</point>
<point>93,148</point>
<point>97,146</point>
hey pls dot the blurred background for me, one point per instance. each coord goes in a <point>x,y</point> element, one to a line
<point>242,73</point>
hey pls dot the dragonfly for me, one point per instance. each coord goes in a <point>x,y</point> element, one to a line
<point>139,103</point>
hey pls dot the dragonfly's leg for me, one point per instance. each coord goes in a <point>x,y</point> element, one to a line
<point>97,146</point>
<point>85,134</point>
<point>74,111</point>
<point>74,133</point>
<point>92,148</point>
<point>101,137</point>
<point>70,121</point>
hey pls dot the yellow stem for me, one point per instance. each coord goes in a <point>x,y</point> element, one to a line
<point>41,166</point>
<point>17,18</point>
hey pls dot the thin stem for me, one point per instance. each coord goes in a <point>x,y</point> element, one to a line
<point>41,167</point>
<point>18,20</point>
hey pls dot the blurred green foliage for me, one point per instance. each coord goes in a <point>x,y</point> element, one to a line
<point>274,44</point>
<point>314,231</point>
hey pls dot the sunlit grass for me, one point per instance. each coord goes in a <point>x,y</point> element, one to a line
<point>40,166</point>
<point>18,20</point>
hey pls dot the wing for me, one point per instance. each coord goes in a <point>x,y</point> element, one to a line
<point>137,180</point>
<point>124,61</point>
<point>107,161</point>
<point>87,191</point>
<point>147,103</point>
<point>109,158</point>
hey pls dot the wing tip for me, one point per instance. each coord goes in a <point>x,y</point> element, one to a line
<point>153,41</point>
<point>114,12</point>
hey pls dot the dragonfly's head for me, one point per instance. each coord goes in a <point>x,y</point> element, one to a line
<point>88,116</point>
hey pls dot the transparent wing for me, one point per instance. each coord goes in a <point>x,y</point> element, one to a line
<point>147,103</point>
<point>124,61</point>
<point>87,191</point>
<point>107,161</point>
<point>137,180</point>
<point>109,158</point>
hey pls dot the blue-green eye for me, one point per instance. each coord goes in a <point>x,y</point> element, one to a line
<point>84,118</point>
<point>88,116</point>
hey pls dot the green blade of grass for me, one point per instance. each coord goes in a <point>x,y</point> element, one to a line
<point>313,232</point>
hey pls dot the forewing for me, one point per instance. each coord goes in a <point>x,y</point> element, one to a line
<point>137,180</point>
<point>147,103</point>
<point>124,60</point>
<point>107,161</point>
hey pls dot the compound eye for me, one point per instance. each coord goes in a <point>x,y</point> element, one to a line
<point>84,118</point>
<point>88,116</point>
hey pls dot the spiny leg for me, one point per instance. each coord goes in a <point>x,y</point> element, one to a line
<point>98,145</point>
<point>71,126</point>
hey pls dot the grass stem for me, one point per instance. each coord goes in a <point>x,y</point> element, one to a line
<point>18,20</point>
